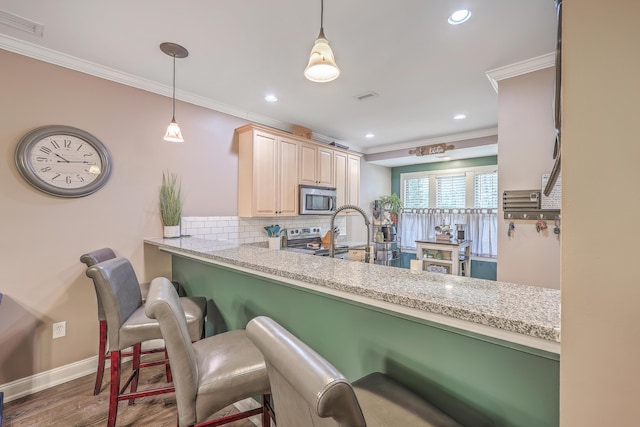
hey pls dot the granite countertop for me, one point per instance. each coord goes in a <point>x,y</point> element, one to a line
<point>528,310</point>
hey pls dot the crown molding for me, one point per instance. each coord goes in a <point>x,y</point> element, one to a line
<point>54,57</point>
<point>519,68</point>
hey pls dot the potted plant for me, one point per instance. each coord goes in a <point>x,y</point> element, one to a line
<point>170,204</point>
<point>392,203</point>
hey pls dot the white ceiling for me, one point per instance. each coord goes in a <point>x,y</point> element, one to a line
<point>424,70</point>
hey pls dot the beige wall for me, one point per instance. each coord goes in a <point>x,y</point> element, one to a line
<point>600,364</point>
<point>525,146</point>
<point>43,237</point>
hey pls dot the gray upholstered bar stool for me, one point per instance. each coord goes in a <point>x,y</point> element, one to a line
<point>212,373</point>
<point>309,391</point>
<point>93,258</point>
<point>118,289</point>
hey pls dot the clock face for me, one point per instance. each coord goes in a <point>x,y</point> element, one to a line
<point>63,161</point>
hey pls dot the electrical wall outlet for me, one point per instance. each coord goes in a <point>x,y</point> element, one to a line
<point>59,329</point>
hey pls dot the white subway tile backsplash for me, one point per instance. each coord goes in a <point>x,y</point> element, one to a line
<point>249,230</point>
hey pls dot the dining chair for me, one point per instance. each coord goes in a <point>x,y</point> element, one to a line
<point>93,258</point>
<point>309,391</point>
<point>212,373</point>
<point>119,292</point>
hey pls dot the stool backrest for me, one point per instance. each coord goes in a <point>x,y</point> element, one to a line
<point>307,390</point>
<point>163,304</point>
<point>93,258</point>
<point>97,256</point>
<point>118,289</point>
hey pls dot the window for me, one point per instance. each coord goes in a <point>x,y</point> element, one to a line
<point>457,188</point>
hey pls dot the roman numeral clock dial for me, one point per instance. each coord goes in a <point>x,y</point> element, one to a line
<point>63,161</point>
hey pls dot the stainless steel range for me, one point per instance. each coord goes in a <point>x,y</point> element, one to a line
<point>308,240</point>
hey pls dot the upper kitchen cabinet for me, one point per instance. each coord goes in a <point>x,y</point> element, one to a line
<point>347,178</point>
<point>267,173</point>
<point>316,165</point>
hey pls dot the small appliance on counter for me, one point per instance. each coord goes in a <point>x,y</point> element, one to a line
<point>308,240</point>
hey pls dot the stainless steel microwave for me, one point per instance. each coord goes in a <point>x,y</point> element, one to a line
<point>317,200</point>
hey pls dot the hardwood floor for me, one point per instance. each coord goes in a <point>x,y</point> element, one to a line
<point>73,404</point>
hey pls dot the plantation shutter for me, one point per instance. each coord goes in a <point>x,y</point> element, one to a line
<point>416,192</point>
<point>486,190</point>
<point>450,191</point>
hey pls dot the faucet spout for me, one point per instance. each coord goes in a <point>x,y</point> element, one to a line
<point>367,223</point>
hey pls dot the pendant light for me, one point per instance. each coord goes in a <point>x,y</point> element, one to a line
<point>176,51</point>
<point>322,66</point>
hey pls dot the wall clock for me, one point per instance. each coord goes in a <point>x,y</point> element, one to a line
<point>63,161</point>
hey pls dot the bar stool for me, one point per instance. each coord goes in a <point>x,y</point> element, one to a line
<point>93,258</point>
<point>309,391</point>
<point>119,292</point>
<point>211,373</point>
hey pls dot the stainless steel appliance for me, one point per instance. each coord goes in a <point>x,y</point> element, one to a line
<point>308,240</point>
<point>317,200</point>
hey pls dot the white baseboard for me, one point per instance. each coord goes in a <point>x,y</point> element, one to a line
<point>44,380</point>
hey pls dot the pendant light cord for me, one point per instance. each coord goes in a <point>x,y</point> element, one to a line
<point>173,117</point>
<point>321,15</point>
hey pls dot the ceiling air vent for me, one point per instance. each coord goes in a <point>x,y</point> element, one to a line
<point>365,96</point>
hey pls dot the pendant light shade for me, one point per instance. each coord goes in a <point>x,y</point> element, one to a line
<point>174,134</point>
<point>176,51</point>
<point>322,65</point>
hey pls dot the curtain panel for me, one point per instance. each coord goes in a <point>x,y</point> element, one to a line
<point>481,227</point>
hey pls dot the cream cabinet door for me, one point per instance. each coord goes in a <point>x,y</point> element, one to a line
<point>316,165</point>
<point>353,179</point>
<point>340,177</point>
<point>308,164</point>
<point>324,174</point>
<point>288,184</point>
<point>265,174</point>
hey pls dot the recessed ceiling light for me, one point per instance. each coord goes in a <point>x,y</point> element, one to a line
<point>369,135</point>
<point>271,98</point>
<point>459,16</point>
<point>460,116</point>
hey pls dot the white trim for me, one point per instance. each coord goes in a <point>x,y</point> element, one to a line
<point>519,68</point>
<point>44,380</point>
<point>40,53</point>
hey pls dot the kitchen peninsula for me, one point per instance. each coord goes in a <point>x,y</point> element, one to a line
<point>486,352</point>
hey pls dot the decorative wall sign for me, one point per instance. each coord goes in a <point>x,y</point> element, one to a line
<point>428,150</point>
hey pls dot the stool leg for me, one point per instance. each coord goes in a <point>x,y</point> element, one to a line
<point>135,367</point>
<point>168,367</point>
<point>114,388</point>
<point>102,348</point>
<point>266,419</point>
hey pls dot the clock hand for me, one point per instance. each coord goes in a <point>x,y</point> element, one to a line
<point>61,158</point>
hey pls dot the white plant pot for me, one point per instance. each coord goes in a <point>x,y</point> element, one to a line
<point>171,231</point>
<point>274,242</point>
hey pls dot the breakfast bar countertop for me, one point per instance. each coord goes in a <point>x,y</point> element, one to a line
<point>520,314</point>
